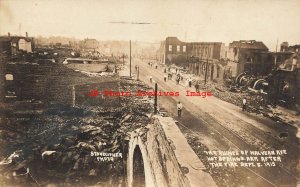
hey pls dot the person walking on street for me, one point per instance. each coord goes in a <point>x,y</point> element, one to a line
<point>244,105</point>
<point>190,82</point>
<point>179,109</point>
<point>197,86</point>
<point>165,77</point>
<point>177,79</point>
<point>150,79</point>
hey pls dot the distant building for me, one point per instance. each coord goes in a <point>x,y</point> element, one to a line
<point>13,45</point>
<point>174,51</point>
<point>225,62</point>
<point>284,46</point>
<point>210,50</point>
<point>89,44</point>
<point>294,48</point>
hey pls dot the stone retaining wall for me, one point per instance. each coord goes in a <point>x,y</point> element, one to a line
<point>168,158</point>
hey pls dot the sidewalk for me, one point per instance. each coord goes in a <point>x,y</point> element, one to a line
<point>185,155</point>
<point>278,114</point>
<point>230,112</point>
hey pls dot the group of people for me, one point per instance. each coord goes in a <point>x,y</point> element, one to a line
<point>168,75</point>
<point>190,83</point>
<point>151,64</point>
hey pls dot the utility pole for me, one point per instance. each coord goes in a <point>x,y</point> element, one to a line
<point>130,57</point>
<point>206,71</point>
<point>138,73</point>
<point>155,99</point>
<point>212,72</point>
<point>276,54</point>
<point>123,60</point>
<point>73,96</point>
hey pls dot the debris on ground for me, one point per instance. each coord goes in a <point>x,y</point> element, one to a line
<point>255,101</point>
<point>58,147</point>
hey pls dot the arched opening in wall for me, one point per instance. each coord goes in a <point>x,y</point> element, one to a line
<point>138,168</point>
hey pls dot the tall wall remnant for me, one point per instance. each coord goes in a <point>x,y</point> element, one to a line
<point>174,51</point>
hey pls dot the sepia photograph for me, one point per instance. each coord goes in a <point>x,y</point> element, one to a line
<point>149,93</point>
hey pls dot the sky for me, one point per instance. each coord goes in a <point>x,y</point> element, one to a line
<point>189,20</point>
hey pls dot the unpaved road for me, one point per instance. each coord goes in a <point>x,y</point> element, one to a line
<point>222,126</point>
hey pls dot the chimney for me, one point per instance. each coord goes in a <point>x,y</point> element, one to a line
<point>8,34</point>
<point>26,34</point>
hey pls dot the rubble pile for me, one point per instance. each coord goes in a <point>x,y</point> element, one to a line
<point>63,145</point>
<point>255,101</point>
<point>91,74</point>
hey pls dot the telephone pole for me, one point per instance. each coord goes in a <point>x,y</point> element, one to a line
<point>130,57</point>
<point>205,76</point>
<point>276,54</point>
<point>155,99</point>
<point>138,73</point>
<point>123,60</point>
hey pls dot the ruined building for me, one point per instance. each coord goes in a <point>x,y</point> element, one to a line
<point>174,51</point>
<point>230,61</point>
<point>89,44</point>
<point>14,45</point>
<point>284,82</point>
<point>248,55</point>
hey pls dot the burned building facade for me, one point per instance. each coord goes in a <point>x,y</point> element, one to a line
<point>207,55</point>
<point>14,45</point>
<point>174,51</point>
<point>221,61</point>
<point>30,86</point>
<point>284,82</point>
<point>230,61</point>
<point>249,55</point>
<point>207,50</point>
<point>284,46</point>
